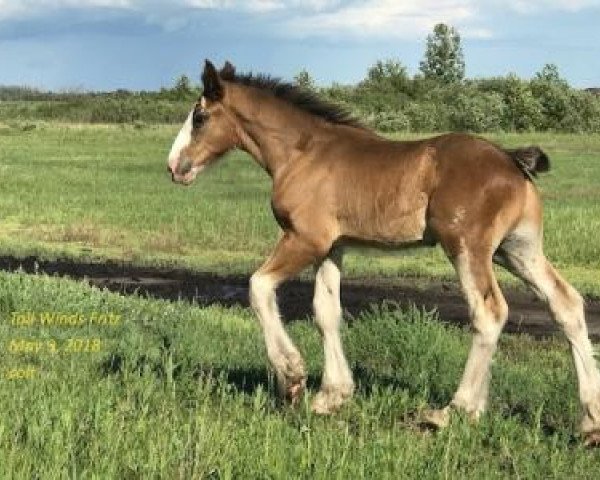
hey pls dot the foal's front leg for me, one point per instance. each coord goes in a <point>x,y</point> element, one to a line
<point>291,255</point>
<point>337,385</point>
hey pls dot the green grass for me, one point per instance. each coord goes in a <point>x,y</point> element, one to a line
<point>104,192</point>
<point>98,192</point>
<point>178,391</point>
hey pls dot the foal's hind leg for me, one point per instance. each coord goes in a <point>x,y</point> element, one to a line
<point>337,385</point>
<point>488,312</point>
<point>521,253</point>
<point>291,255</point>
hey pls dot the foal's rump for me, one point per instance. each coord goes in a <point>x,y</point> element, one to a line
<point>482,191</point>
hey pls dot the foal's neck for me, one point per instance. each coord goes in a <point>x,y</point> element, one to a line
<point>276,134</point>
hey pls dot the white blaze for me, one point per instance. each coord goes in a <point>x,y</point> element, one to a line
<point>181,141</point>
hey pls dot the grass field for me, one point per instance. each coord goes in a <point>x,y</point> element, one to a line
<point>142,388</point>
<point>175,391</point>
<point>103,192</point>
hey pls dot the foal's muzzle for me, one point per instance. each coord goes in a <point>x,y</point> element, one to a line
<point>182,173</point>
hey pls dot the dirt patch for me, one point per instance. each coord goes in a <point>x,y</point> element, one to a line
<point>527,314</point>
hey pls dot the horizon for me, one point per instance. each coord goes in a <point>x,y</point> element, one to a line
<point>107,45</point>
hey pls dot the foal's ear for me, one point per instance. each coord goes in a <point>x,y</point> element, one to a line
<point>211,83</point>
<point>228,71</point>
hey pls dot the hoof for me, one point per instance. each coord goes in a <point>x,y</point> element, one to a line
<point>592,439</point>
<point>330,399</point>
<point>590,424</point>
<point>291,380</point>
<point>436,419</point>
<point>441,418</point>
<point>295,391</point>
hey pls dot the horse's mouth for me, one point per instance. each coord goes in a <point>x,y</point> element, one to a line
<point>182,180</point>
<point>187,178</point>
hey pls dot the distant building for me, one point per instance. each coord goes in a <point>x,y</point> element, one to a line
<point>593,90</point>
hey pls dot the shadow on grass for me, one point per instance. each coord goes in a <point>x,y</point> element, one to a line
<point>526,314</point>
<point>249,380</point>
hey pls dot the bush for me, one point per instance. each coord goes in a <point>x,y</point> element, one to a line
<point>583,113</point>
<point>477,112</point>
<point>391,121</point>
<point>388,99</point>
<point>428,116</point>
<point>523,111</point>
<point>552,92</point>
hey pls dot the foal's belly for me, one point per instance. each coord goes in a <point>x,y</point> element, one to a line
<point>388,223</point>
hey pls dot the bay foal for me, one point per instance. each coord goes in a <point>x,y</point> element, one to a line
<point>335,183</point>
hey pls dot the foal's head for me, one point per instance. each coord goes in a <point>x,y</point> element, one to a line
<point>208,132</point>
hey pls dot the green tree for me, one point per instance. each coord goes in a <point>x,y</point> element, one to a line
<point>523,111</point>
<point>388,75</point>
<point>183,85</point>
<point>304,80</point>
<point>475,111</point>
<point>550,74</point>
<point>443,59</point>
<point>554,95</point>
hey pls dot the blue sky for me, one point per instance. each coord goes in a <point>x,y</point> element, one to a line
<point>135,44</point>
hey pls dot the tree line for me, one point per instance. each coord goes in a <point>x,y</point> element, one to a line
<point>437,98</point>
<point>440,98</point>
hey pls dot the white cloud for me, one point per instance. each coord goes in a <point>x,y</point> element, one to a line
<point>30,5</point>
<point>216,4</point>
<point>391,18</point>
<point>24,8</point>
<point>315,4</point>
<point>524,6</point>
<point>533,6</point>
<point>304,18</point>
<point>407,19</point>
<point>250,5</point>
<point>262,5</point>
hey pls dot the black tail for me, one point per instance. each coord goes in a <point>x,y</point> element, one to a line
<point>530,160</point>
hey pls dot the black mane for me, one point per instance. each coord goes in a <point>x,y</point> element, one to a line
<point>298,96</point>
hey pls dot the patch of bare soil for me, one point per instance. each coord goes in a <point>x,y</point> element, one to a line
<point>527,314</point>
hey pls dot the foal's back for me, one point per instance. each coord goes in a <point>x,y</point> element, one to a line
<point>393,192</point>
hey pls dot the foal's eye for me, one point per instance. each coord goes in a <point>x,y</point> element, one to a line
<point>199,117</point>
